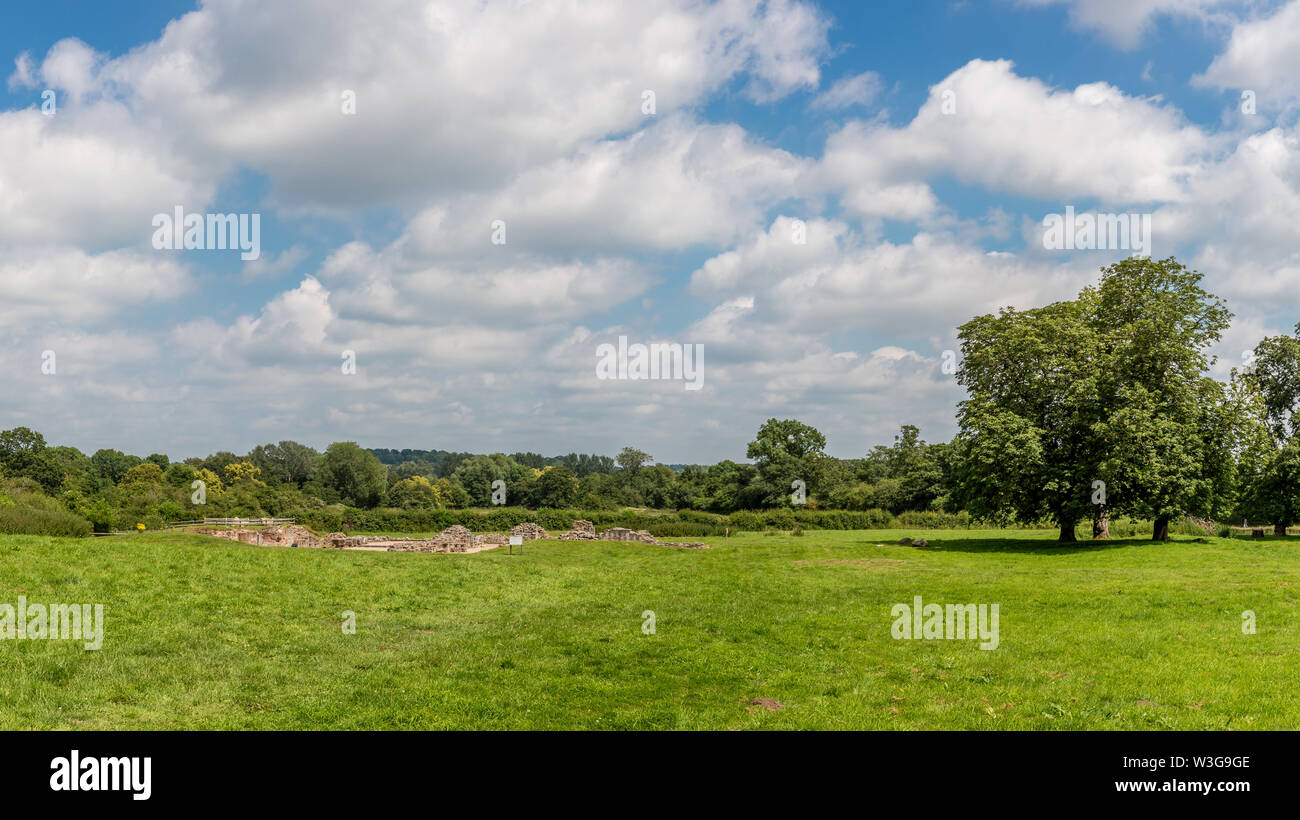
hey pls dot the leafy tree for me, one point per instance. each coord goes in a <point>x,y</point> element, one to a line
<point>23,453</point>
<point>415,492</point>
<point>584,465</point>
<point>914,470</point>
<point>630,459</point>
<point>146,473</point>
<point>180,474</point>
<point>1108,388</point>
<point>786,450</point>
<point>112,464</point>
<point>1026,442</point>
<point>1275,377</point>
<point>244,472</point>
<point>287,462</point>
<point>411,469</point>
<point>537,461</point>
<point>555,488</point>
<point>476,475</point>
<point>217,462</point>
<point>212,483</point>
<point>451,493</point>
<point>359,478</point>
<point>1271,460</point>
<point>1162,429</point>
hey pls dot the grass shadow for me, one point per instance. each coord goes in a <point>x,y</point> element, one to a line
<point>1022,546</point>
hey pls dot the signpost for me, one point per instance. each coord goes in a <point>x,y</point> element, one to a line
<point>516,541</point>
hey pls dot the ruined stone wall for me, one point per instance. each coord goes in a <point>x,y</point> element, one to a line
<point>454,539</point>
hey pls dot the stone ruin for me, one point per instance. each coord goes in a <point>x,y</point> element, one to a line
<point>528,531</point>
<point>454,539</point>
<point>623,534</point>
<point>457,538</point>
<point>586,531</point>
<point>290,536</point>
<point>582,530</point>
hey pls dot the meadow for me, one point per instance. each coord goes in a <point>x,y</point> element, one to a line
<point>207,634</point>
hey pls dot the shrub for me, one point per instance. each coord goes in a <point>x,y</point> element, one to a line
<point>16,520</point>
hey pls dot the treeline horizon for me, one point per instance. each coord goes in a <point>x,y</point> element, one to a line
<point>1083,410</point>
<point>111,488</point>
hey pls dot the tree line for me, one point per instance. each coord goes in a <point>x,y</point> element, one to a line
<point>1082,410</point>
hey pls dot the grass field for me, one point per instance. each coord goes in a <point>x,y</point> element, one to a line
<point>209,634</point>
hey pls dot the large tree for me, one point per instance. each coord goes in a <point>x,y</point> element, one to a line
<point>288,462</point>
<point>112,464</point>
<point>1164,430</point>
<point>355,474</point>
<point>1026,442</point>
<point>1271,489</point>
<point>23,453</point>
<point>630,459</point>
<point>556,487</point>
<point>785,451</point>
<point>1099,404</point>
<point>476,475</point>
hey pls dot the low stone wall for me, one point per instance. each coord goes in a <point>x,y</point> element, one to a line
<point>586,531</point>
<point>291,536</point>
<point>454,539</point>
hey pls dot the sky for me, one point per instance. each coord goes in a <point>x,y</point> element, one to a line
<point>460,203</point>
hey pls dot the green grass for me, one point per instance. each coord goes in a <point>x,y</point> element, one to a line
<point>210,634</point>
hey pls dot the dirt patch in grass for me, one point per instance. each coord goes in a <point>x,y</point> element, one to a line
<point>861,563</point>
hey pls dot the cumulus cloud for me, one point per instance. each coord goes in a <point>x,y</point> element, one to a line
<point>72,286</point>
<point>674,184</point>
<point>1261,56</point>
<point>840,281</point>
<point>90,176</point>
<point>1238,218</point>
<point>1016,134</point>
<point>822,287</point>
<point>459,96</point>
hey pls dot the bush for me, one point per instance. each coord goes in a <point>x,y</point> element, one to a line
<point>16,520</point>
<point>664,524</point>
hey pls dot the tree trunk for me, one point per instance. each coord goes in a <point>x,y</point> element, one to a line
<point>1067,533</point>
<point>1101,524</point>
<point>1160,532</point>
<point>1279,528</point>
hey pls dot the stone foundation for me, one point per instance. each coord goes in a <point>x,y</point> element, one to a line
<point>454,539</point>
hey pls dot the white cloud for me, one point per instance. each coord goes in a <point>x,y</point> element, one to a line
<point>458,96</point>
<point>72,286</point>
<point>1016,134</point>
<point>674,184</point>
<point>469,112</point>
<point>840,281</point>
<point>1261,56</point>
<point>89,175</point>
<point>846,92</point>
<point>1124,22</point>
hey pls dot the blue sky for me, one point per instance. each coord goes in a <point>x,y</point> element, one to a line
<point>672,227</point>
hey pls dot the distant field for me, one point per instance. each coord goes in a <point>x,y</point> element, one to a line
<point>209,634</point>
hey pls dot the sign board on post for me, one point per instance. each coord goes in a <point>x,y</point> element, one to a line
<point>516,541</point>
